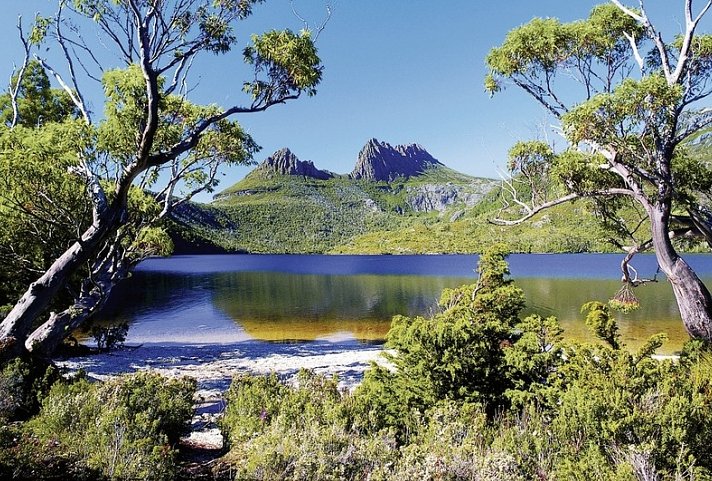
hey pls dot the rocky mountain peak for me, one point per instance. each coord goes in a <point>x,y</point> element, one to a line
<point>380,161</point>
<point>284,162</point>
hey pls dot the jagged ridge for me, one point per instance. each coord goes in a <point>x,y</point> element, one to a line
<point>284,162</point>
<point>379,161</point>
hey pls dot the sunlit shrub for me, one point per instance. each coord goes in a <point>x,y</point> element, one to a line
<point>476,350</point>
<point>280,432</point>
<point>125,428</point>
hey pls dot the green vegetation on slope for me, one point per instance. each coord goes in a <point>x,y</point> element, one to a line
<point>566,228</point>
<point>442,211</point>
<point>267,212</point>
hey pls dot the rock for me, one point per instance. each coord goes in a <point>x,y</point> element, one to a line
<point>284,162</point>
<point>438,197</point>
<point>456,216</point>
<point>379,161</point>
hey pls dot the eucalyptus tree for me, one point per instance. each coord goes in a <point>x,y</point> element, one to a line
<point>154,148</point>
<point>39,204</point>
<point>639,100</point>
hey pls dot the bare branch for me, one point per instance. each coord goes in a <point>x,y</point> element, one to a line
<point>690,26</point>
<point>534,210</point>
<point>78,102</point>
<point>654,35</point>
<point>320,28</point>
<point>77,93</point>
<point>636,52</point>
<point>15,90</point>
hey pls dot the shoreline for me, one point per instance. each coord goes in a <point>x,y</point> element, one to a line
<point>213,366</point>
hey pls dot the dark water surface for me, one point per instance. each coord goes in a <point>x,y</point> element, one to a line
<point>221,299</point>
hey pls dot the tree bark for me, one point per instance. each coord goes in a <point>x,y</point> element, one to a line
<point>693,297</point>
<point>94,293</point>
<point>36,299</point>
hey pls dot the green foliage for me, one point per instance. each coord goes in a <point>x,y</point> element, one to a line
<point>125,428</point>
<point>475,350</point>
<point>537,46</point>
<point>37,102</point>
<point>344,216</point>
<point>42,204</point>
<point>531,361</point>
<point>277,432</point>
<point>533,52</point>
<point>532,160</point>
<point>23,384</point>
<point>620,408</point>
<point>289,61</point>
<point>600,320</point>
<point>563,411</point>
<point>620,117</point>
<point>111,337</point>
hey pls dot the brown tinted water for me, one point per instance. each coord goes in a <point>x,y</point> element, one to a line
<point>225,299</point>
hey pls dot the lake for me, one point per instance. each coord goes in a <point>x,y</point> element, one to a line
<point>227,299</point>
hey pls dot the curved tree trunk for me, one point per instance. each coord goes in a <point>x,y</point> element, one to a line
<point>96,289</point>
<point>36,299</point>
<point>693,297</point>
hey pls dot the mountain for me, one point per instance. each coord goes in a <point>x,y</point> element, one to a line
<point>284,162</point>
<point>379,161</point>
<point>396,200</point>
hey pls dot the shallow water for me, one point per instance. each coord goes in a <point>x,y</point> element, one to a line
<point>225,299</point>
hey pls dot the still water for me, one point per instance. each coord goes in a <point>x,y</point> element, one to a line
<point>220,299</point>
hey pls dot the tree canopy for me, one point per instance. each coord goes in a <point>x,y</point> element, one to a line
<point>95,192</point>
<point>628,103</point>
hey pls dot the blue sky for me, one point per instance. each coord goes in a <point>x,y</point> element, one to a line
<point>399,70</point>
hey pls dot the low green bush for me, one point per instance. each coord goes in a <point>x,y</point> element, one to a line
<point>23,383</point>
<point>280,432</point>
<point>124,428</point>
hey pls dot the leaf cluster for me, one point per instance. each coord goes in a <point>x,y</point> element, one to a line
<point>288,61</point>
<point>532,53</point>
<point>125,428</point>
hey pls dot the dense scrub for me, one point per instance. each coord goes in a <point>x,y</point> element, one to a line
<point>476,393</point>
<point>125,428</point>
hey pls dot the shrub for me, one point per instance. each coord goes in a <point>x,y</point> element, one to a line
<point>125,428</point>
<point>23,383</point>
<point>635,411</point>
<point>108,338</point>
<point>475,350</point>
<point>475,393</point>
<point>277,432</point>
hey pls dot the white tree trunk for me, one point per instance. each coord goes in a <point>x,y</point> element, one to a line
<point>18,323</point>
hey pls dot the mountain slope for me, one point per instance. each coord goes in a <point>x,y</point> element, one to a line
<point>397,199</point>
<point>288,205</point>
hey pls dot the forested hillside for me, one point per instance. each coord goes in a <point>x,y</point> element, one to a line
<point>397,200</point>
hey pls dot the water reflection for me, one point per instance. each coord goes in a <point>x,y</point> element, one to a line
<point>564,298</point>
<point>274,306</point>
<point>224,303</point>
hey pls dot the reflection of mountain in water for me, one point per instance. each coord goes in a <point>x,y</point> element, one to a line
<point>271,306</point>
<point>563,298</point>
<point>219,307</point>
<point>289,306</point>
